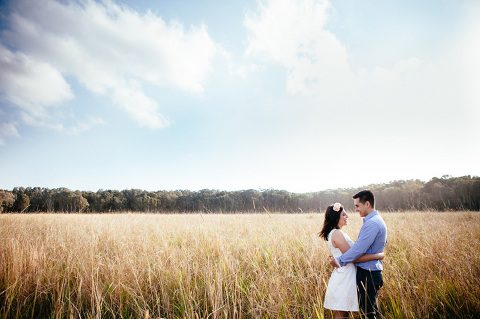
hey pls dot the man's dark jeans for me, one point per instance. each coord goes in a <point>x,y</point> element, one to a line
<point>368,284</point>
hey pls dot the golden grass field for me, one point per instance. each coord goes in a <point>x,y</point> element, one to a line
<point>225,266</point>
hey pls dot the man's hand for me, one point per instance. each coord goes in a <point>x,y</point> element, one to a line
<point>332,262</point>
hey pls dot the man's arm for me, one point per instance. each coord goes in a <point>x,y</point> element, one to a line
<point>370,257</point>
<point>365,239</point>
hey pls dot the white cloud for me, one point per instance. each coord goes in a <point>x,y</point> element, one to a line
<point>7,130</point>
<point>105,47</point>
<point>86,125</point>
<point>31,85</point>
<point>51,122</point>
<point>293,34</point>
<point>141,107</point>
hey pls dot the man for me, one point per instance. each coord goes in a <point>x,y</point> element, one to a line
<point>372,239</point>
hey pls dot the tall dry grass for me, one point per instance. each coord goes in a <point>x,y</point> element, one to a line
<point>225,266</point>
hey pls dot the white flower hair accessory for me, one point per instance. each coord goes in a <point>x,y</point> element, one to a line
<point>337,206</point>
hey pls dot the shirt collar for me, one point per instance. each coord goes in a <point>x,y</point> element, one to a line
<point>369,216</point>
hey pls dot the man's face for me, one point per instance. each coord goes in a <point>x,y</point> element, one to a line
<point>361,208</point>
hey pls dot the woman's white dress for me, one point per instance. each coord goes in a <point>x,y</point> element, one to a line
<point>342,287</point>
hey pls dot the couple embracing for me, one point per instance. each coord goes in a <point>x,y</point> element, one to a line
<point>354,287</point>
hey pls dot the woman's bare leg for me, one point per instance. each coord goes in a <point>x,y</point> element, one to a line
<point>340,314</point>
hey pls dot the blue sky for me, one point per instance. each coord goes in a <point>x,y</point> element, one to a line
<point>232,95</point>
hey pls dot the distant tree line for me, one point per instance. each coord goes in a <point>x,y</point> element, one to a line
<point>445,193</point>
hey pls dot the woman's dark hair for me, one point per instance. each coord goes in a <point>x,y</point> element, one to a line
<point>365,196</point>
<point>331,221</point>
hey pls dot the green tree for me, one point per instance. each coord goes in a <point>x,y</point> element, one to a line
<point>79,203</point>
<point>22,201</point>
<point>6,200</point>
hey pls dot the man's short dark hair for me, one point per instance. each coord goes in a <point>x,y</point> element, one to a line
<point>365,196</point>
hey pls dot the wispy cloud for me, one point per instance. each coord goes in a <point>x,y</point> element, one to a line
<point>7,130</point>
<point>139,106</point>
<point>293,34</point>
<point>86,125</point>
<point>105,47</point>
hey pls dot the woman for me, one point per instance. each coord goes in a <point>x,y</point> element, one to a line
<point>341,295</point>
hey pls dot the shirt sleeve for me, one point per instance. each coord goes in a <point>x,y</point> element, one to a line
<point>365,239</point>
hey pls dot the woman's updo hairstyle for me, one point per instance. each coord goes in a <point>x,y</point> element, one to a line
<point>332,216</point>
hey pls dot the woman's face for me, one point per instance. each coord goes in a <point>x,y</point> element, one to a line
<point>343,219</point>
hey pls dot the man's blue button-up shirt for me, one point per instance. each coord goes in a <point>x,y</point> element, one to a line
<point>372,239</point>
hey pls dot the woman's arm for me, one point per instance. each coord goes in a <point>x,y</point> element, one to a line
<point>339,241</point>
<point>368,257</point>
